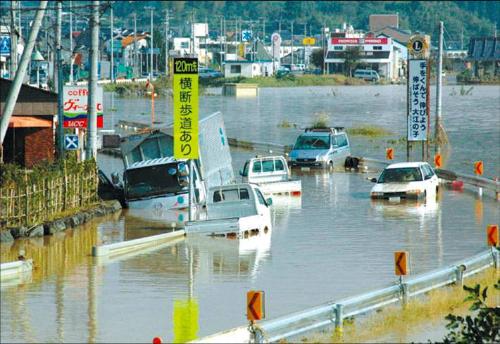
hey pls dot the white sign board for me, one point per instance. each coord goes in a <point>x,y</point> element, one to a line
<point>417,97</point>
<point>76,104</point>
<point>200,29</point>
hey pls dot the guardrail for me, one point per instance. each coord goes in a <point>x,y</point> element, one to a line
<point>133,245</point>
<point>14,269</point>
<point>332,314</point>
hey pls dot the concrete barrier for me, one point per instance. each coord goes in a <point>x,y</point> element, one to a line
<point>14,269</point>
<point>133,245</point>
<point>240,90</point>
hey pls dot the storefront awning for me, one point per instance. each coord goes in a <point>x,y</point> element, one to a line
<point>29,122</point>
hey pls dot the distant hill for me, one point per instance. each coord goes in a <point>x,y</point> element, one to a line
<point>467,18</point>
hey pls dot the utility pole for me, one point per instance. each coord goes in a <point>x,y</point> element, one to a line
<point>291,66</point>
<point>20,25</point>
<point>167,28</point>
<point>60,119</point>
<point>58,44</point>
<point>13,40</point>
<point>221,44</point>
<point>152,44</point>
<point>135,44</point>
<point>70,44</point>
<point>112,71</point>
<point>91,108</point>
<point>462,39</point>
<point>439,83</point>
<point>264,31</point>
<point>13,92</point>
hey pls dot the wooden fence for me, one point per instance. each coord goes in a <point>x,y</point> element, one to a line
<point>35,199</point>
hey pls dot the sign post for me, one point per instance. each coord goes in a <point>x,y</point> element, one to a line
<point>418,94</point>
<point>185,87</point>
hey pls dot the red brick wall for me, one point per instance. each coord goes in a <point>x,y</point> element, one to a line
<point>38,146</point>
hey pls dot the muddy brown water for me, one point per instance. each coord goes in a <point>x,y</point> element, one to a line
<point>330,243</point>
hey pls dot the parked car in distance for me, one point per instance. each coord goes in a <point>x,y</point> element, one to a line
<point>327,147</point>
<point>282,71</point>
<point>207,73</point>
<point>272,175</point>
<point>409,180</point>
<point>366,74</point>
<point>235,210</point>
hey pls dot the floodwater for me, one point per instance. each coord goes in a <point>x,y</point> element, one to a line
<point>330,243</point>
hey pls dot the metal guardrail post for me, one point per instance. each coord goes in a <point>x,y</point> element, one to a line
<point>404,291</point>
<point>496,257</point>
<point>256,333</point>
<point>459,271</point>
<point>339,310</point>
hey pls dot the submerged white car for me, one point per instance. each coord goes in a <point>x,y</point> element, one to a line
<point>409,180</point>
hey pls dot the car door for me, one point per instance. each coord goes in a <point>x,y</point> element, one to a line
<point>430,179</point>
<point>263,209</point>
<point>341,149</point>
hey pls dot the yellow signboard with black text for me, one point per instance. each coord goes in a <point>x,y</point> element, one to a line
<point>185,91</point>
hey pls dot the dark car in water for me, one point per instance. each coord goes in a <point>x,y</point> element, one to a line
<point>209,73</point>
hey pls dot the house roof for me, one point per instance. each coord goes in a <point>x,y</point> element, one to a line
<point>484,49</point>
<point>32,101</point>
<point>126,41</point>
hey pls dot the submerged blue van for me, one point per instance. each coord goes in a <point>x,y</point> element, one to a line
<point>325,148</point>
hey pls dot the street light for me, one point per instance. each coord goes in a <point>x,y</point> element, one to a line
<point>37,57</point>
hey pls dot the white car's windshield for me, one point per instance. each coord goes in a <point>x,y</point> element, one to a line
<point>312,142</point>
<point>400,175</point>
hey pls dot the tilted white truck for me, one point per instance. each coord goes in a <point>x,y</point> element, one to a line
<point>234,211</point>
<point>272,175</point>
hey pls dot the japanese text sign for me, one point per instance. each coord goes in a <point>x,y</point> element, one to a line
<point>75,106</point>
<point>185,87</point>
<point>417,98</point>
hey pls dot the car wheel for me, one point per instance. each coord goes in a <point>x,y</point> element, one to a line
<point>330,166</point>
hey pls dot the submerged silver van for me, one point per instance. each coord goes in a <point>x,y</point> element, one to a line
<point>327,147</point>
<point>366,74</point>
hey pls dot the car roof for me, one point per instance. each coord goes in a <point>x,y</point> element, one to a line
<point>232,187</point>
<point>316,133</point>
<point>407,164</point>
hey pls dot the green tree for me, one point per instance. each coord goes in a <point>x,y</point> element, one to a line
<point>352,56</point>
<point>482,326</point>
<point>318,57</point>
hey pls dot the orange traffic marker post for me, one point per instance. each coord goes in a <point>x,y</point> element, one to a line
<point>437,160</point>
<point>389,153</point>
<point>401,269</point>
<point>492,235</point>
<point>478,170</point>
<point>255,311</point>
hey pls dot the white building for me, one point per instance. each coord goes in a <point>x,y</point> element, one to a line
<point>381,54</point>
<point>247,69</point>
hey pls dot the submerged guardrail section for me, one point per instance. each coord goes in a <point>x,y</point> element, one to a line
<point>333,313</point>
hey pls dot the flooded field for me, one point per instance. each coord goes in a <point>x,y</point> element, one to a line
<point>331,242</point>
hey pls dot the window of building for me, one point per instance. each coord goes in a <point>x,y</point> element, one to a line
<point>338,47</point>
<point>184,45</point>
<point>235,69</point>
<point>377,47</point>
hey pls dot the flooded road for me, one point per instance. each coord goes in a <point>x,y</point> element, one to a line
<point>329,243</point>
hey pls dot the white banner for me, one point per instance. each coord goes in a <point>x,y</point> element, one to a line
<point>417,97</point>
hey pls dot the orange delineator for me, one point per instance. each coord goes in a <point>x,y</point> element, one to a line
<point>255,305</point>
<point>492,235</point>
<point>401,263</point>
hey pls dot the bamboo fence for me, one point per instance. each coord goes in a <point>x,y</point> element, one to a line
<point>42,194</point>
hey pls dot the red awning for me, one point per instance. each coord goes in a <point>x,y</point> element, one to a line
<point>29,122</point>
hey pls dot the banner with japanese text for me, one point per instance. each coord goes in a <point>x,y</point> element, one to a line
<point>75,105</point>
<point>185,90</point>
<point>417,97</point>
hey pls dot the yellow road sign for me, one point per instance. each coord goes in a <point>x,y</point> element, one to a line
<point>255,305</point>
<point>308,41</point>
<point>185,320</point>
<point>185,91</point>
<point>437,160</point>
<point>401,263</point>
